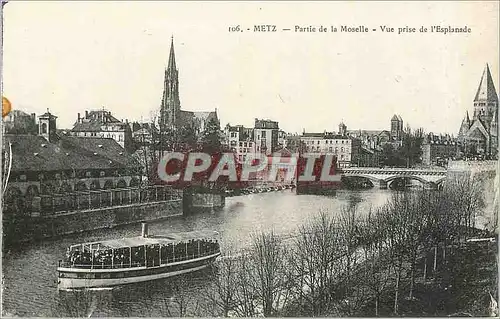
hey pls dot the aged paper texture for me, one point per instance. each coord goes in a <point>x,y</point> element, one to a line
<point>248,159</point>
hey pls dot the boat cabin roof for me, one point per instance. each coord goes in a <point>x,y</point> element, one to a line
<point>152,240</point>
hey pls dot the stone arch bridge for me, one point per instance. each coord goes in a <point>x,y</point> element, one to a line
<point>431,178</point>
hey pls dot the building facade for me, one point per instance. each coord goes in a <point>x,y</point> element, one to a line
<point>479,135</point>
<point>439,149</point>
<point>19,122</point>
<point>240,140</point>
<point>102,124</point>
<point>266,136</point>
<point>346,148</point>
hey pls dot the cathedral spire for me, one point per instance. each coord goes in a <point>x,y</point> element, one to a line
<point>171,105</point>
<point>486,90</point>
<point>171,57</point>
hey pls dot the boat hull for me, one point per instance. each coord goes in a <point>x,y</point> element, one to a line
<point>96,278</point>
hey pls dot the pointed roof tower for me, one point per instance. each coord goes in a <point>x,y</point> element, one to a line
<point>171,58</point>
<point>486,90</point>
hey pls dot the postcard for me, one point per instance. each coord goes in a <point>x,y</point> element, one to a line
<point>249,159</point>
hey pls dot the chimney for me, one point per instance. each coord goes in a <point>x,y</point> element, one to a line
<point>78,118</point>
<point>144,230</point>
<point>86,114</point>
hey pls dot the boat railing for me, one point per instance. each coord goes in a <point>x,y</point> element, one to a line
<point>143,263</point>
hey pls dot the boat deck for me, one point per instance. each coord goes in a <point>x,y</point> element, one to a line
<point>153,239</point>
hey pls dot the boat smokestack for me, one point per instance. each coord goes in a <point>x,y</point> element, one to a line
<point>144,230</point>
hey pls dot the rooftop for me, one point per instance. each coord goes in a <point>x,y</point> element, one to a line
<point>35,153</point>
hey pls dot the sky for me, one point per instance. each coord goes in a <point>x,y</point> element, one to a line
<point>75,56</point>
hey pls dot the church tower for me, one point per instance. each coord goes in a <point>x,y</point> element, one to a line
<point>170,102</point>
<point>47,126</point>
<point>486,100</point>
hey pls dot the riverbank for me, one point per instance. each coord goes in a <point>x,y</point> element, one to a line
<point>460,286</point>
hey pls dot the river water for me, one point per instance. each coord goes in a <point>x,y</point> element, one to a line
<point>30,275</point>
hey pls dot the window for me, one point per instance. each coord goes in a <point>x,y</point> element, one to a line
<point>44,128</point>
<point>102,173</point>
<point>263,134</point>
<point>233,134</point>
<point>88,174</point>
<point>22,177</point>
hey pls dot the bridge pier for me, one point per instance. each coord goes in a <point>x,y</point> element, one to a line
<point>382,184</point>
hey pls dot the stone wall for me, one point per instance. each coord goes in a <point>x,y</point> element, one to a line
<point>35,228</point>
<point>202,202</point>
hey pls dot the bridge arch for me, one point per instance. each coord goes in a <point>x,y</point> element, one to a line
<point>369,177</point>
<point>413,177</point>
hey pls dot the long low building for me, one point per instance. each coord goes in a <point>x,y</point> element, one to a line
<point>51,163</point>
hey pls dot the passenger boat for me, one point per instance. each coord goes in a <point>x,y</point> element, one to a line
<point>136,259</point>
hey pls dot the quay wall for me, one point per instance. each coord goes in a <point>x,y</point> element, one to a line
<point>30,228</point>
<point>195,203</point>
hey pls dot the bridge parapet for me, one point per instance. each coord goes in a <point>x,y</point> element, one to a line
<point>393,171</point>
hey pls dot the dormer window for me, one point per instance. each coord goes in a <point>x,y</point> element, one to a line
<point>100,146</point>
<point>36,154</point>
<point>95,153</point>
<point>44,145</point>
<point>121,153</point>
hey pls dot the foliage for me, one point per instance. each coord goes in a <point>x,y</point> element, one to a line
<point>211,136</point>
<point>349,265</point>
<point>408,153</point>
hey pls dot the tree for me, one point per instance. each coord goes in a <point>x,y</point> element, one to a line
<point>314,262</point>
<point>411,149</point>
<point>187,138</point>
<point>211,136</point>
<point>390,156</point>
<point>268,254</point>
